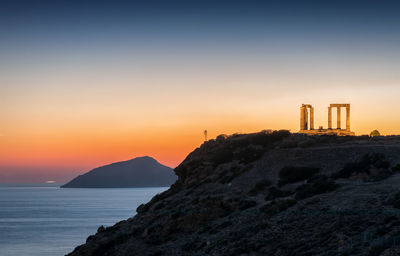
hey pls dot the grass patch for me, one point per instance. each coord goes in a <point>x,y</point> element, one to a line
<point>396,168</point>
<point>274,193</point>
<point>246,204</point>
<point>394,200</point>
<point>291,174</point>
<point>318,185</point>
<point>367,163</point>
<point>259,186</point>
<point>277,206</point>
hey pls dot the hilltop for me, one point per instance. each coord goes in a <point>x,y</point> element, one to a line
<point>138,172</point>
<point>270,193</point>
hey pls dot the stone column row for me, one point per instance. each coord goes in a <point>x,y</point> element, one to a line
<point>339,117</point>
<point>304,117</point>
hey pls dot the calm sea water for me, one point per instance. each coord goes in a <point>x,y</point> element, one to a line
<point>53,221</point>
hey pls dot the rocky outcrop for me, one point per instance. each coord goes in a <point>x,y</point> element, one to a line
<point>270,194</point>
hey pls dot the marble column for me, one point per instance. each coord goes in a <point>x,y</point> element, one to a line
<point>329,118</point>
<point>338,117</point>
<point>348,118</point>
<point>301,118</point>
<point>311,118</point>
<point>305,118</point>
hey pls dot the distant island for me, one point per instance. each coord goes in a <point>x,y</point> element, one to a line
<point>138,172</point>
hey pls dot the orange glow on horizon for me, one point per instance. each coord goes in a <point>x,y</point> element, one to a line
<point>74,143</point>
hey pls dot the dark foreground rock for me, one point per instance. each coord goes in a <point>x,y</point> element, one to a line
<point>270,194</point>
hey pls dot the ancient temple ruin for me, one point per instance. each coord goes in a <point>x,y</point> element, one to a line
<point>307,121</point>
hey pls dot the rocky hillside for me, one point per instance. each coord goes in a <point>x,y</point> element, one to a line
<point>270,194</point>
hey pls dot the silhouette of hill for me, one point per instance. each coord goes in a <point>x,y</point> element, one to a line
<point>138,172</point>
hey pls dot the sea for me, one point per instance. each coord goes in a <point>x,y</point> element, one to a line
<point>49,220</point>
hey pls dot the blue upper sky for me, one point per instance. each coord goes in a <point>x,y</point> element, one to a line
<point>169,22</point>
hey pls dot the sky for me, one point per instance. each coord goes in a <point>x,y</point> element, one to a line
<point>87,83</point>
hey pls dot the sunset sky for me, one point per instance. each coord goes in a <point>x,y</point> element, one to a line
<point>87,83</point>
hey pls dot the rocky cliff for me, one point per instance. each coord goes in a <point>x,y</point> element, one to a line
<point>270,194</point>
